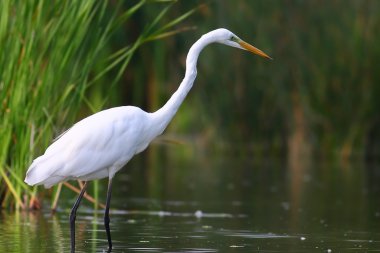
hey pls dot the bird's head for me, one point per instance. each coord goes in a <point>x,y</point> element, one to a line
<point>228,38</point>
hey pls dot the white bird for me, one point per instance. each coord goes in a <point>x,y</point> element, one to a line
<point>100,145</point>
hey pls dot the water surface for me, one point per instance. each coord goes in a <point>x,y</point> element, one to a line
<point>170,203</point>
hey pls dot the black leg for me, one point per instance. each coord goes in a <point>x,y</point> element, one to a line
<point>73,216</point>
<point>106,214</point>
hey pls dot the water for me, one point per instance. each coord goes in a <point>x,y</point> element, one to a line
<point>185,202</point>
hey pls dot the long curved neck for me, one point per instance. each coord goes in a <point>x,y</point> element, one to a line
<point>164,115</point>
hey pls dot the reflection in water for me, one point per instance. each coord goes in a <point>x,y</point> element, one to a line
<point>216,206</point>
<point>29,232</point>
<point>152,232</point>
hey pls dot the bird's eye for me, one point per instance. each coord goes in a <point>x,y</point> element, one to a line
<point>234,38</point>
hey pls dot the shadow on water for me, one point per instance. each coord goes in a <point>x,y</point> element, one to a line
<point>216,204</point>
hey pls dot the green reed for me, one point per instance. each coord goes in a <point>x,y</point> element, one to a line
<point>51,54</point>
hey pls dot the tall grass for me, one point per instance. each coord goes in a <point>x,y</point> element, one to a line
<point>52,52</point>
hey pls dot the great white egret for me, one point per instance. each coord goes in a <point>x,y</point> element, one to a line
<point>100,145</point>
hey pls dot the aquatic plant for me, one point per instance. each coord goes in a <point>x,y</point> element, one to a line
<point>52,53</point>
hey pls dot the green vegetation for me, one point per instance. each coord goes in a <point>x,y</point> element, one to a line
<point>52,53</point>
<point>318,97</point>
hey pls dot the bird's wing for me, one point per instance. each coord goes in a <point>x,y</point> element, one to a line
<point>95,144</point>
<point>60,135</point>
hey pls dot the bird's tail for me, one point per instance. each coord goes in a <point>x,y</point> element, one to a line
<point>42,171</point>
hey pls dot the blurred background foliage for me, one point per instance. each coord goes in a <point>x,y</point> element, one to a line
<point>317,97</point>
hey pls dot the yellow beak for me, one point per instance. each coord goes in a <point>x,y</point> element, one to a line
<point>253,49</point>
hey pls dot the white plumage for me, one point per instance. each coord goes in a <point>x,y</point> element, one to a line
<point>95,147</point>
<point>101,144</point>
